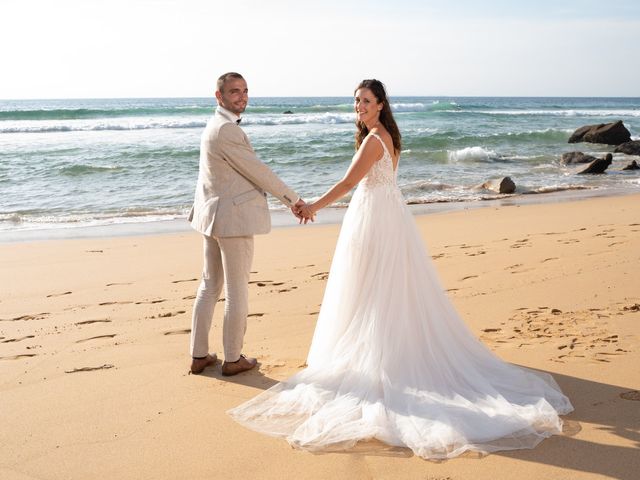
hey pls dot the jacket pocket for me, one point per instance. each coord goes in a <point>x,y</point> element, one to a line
<point>246,196</point>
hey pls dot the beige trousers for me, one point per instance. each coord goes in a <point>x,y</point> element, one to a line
<point>227,261</point>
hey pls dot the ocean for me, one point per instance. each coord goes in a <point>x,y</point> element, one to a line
<point>66,164</point>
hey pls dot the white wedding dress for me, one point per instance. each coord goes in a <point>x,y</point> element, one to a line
<point>392,360</point>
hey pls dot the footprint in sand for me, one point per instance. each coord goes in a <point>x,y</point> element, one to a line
<point>321,275</point>
<point>304,266</point>
<point>439,255</point>
<point>470,246</point>
<point>183,331</point>
<point>111,335</point>
<point>269,367</point>
<point>521,243</point>
<point>88,322</point>
<point>479,252</point>
<point>114,284</point>
<point>93,251</point>
<point>549,259</point>
<point>160,300</point>
<point>468,277</point>
<point>282,290</point>
<point>570,428</point>
<point>189,297</point>
<point>170,314</point>
<point>576,335</point>
<point>10,340</point>
<point>255,315</point>
<point>186,280</point>
<point>313,313</point>
<point>511,267</point>
<point>106,366</point>
<point>631,395</point>
<point>16,357</point>
<point>265,283</point>
<point>615,243</point>
<point>569,241</point>
<point>35,316</point>
<point>115,303</point>
<point>521,271</point>
<point>58,294</point>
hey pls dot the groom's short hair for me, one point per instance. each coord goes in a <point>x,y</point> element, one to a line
<point>223,78</point>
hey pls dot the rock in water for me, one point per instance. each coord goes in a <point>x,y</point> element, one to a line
<point>599,165</point>
<point>571,158</point>
<point>609,133</point>
<point>500,185</point>
<point>632,166</point>
<point>630,148</point>
<point>288,112</point>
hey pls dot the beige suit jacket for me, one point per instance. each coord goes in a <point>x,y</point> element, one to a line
<point>230,198</point>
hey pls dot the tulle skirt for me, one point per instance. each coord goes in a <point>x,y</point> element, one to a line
<point>392,360</point>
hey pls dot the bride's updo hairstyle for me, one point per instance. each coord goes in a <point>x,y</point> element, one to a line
<point>386,117</point>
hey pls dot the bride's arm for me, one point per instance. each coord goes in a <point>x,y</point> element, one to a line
<point>368,153</point>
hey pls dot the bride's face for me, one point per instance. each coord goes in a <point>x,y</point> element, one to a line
<point>366,106</point>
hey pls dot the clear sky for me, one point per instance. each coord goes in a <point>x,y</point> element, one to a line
<point>166,48</point>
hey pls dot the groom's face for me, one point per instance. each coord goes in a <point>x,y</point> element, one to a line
<point>233,95</point>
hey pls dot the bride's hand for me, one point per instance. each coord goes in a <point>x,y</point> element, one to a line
<point>307,212</point>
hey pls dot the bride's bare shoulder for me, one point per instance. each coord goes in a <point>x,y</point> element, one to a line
<point>382,133</point>
<point>371,146</point>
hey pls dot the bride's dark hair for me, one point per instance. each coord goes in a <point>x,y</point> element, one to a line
<point>386,117</point>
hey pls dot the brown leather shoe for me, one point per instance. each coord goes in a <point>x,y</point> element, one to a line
<point>199,364</point>
<point>241,365</point>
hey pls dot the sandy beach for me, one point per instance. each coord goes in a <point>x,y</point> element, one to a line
<point>94,340</point>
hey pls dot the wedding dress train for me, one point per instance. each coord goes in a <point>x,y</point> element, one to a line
<point>392,360</point>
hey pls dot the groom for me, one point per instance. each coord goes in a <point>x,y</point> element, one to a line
<point>229,208</point>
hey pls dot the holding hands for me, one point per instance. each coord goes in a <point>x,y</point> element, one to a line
<point>303,211</point>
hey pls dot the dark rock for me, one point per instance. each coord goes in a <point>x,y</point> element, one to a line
<point>609,133</point>
<point>630,148</point>
<point>599,165</point>
<point>288,112</point>
<point>571,158</point>
<point>500,185</point>
<point>632,166</point>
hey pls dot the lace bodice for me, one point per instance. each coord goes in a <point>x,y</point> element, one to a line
<point>382,172</point>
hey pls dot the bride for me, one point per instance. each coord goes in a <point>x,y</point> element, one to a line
<point>391,359</point>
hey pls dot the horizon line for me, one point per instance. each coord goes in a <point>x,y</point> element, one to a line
<point>317,96</point>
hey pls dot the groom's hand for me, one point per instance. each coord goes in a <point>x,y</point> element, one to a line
<point>296,209</point>
<point>301,210</point>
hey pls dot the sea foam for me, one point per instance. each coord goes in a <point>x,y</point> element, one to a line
<point>472,154</point>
